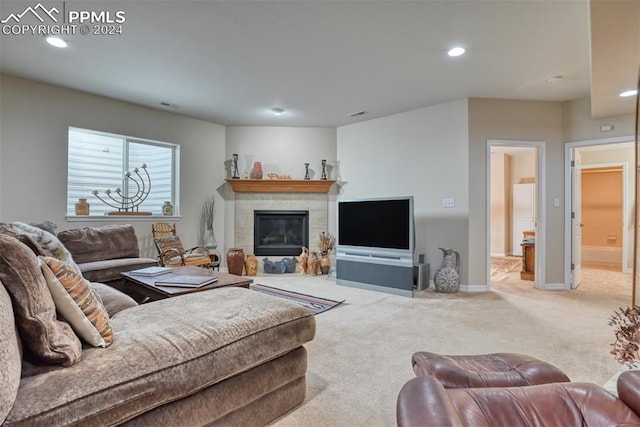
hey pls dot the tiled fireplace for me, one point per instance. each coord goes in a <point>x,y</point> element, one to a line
<point>316,204</point>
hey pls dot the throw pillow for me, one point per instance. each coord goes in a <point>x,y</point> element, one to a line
<point>51,340</point>
<point>77,302</point>
<point>46,226</point>
<point>47,241</point>
<point>31,244</point>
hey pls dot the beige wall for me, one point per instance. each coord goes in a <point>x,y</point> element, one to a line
<point>432,153</point>
<point>493,119</point>
<point>578,125</point>
<point>281,150</point>
<point>421,153</point>
<point>33,143</point>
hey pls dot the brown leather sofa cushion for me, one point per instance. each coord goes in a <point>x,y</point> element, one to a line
<point>486,370</point>
<point>424,402</point>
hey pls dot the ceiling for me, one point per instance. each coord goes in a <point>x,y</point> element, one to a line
<point>231,62</point>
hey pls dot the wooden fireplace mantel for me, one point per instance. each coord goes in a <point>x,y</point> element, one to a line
<point>280,185</point>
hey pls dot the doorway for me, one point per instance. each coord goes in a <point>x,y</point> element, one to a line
<point>514,213</point>
<point>599,217</point>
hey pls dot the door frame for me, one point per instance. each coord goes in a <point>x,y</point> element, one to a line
<point>568,146</point>
<point>541,209</point>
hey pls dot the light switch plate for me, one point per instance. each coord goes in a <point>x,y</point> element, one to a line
<point>448,203</point>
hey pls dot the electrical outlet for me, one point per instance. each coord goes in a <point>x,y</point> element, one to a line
<point>448,203</point>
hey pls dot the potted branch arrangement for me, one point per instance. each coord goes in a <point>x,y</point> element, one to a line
<point>327,244</point>
<point>626,324</point>
<point>208,213</point>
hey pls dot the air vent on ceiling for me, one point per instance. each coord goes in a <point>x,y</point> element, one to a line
<point>168,105</point>
<point>358,113</point>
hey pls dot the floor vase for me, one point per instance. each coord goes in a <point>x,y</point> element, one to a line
<point>235,261</point>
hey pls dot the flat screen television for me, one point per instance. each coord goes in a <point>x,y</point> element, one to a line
<point>376,227</point>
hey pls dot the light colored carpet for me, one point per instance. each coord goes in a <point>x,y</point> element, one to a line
<point>361,355</point>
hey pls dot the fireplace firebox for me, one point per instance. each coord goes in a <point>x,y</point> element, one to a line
<point>280,233</point>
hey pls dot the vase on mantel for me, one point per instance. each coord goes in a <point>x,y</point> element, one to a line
<point>235,261</point>
<point>256,172</point>
<point>210,239</point>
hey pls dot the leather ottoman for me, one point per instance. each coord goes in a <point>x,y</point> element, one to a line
<point>487,370</point>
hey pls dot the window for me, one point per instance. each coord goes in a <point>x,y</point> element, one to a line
<point>99,162</point>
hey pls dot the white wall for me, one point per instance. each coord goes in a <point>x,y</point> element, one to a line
<point>33,147</point>
<point>281,150</point>
<point>421,153</point>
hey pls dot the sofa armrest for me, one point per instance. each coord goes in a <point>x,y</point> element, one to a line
<point>423,401</point>
<point>113,300</point>
<point>629,389</point>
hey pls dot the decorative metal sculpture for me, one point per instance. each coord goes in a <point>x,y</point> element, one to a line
<point>128,204</point>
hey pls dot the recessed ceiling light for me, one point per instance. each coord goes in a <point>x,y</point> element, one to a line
<point>277,111</point>
<point>56,41</point>
<point>627,93</point>
<point>456,51</point>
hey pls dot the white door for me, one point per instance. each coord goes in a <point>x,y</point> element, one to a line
<point>576,219</point>
<point>524,213</point>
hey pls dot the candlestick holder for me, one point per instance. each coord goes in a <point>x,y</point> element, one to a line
<point>234,173</point>
<point>324,171</point>
<point>306,171</point>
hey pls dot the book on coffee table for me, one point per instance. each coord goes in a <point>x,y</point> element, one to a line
<point>151,271</point>
<point>186,281</point>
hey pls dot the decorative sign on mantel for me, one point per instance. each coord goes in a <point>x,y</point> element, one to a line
<point>280,185</point>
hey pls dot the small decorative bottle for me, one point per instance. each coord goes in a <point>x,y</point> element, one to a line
<point>82,207</point>
<point>167,208</point>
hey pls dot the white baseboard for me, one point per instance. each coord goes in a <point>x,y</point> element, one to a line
<point>554,287</point>
<point>474,288</point>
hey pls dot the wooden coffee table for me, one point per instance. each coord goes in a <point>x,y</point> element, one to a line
<point>145,285</point>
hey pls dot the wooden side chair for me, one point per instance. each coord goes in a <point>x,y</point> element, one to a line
<point>171,252</point>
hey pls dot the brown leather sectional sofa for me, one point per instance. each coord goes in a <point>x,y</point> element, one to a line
<point>424,402</point>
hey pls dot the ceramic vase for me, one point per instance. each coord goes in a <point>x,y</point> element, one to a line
<point>303,261</point>
<point>314,262</point>
<point>325,264</point>
<point>82,207</point>
<point>210,239</point>
<point>235,261</point>
<point>256,172</point>
<point>447,276</point>
<point>251,265</point>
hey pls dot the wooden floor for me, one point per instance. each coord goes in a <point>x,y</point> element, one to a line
<point>595,278</point>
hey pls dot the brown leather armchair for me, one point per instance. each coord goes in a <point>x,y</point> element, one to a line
<point>424,402</point>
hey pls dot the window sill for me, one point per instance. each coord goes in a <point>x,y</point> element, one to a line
<point>118,218</point>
